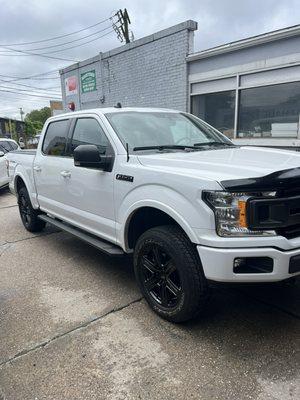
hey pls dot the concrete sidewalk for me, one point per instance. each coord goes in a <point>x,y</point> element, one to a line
<point>73,326</point>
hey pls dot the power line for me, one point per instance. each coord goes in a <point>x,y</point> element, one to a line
<point>56,51</point>
<point>34,54</point>
<point>56,37</point>
<point>81,44</point>
<point>27,90</point>
<point>32,95</point>
<point>42,79</point>
<point>57,88</point>
<point>32,76</point>
<point>70,41</point>
<point>21,99</point>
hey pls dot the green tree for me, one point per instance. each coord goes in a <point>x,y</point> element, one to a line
<point>32,128</point>
<point>35,120</point>
<point>39,115</point>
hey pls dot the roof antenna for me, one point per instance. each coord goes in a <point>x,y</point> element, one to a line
<point>118,105</point>
<point>127,151</point>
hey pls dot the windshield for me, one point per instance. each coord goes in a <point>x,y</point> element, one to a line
<point>142,130</point>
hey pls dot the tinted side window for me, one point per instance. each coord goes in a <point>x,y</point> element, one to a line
<point>2,148</point>
<point>56,138</point>
<point>88,131</point>
<point>13,145</point>
<point>5,145</point>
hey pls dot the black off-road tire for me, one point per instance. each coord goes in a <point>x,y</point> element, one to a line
<point>171,242</point>
<point>28,214</point>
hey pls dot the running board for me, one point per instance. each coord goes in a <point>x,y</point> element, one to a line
<point>100,244</point>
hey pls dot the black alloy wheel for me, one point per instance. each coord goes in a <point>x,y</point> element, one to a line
<point>169,273</point>
<point>25,211</point>
<point>160,276</point>
<point>29,216</point>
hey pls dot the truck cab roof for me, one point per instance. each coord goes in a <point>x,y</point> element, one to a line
<point>109,110</point>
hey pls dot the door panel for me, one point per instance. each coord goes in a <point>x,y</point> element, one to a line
<point>89,192</point>
<point>88,196</point>
<point>48,164</point>
<point>81,196</point>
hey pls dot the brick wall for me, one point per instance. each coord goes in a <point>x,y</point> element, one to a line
<point>149,72</point>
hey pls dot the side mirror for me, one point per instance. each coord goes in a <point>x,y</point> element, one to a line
<point>88,156</point>
<point>2,153</point>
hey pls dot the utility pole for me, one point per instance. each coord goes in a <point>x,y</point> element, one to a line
<point>10,128</point>
<point>21,113</point>
<point>122,30</point>
<point>22,131</point>
<point>124,26</point>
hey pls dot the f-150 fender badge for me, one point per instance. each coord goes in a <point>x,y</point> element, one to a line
<point>126,178</point>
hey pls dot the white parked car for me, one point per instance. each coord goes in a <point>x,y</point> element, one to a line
<point>6,145</point>
<point>190,205</point>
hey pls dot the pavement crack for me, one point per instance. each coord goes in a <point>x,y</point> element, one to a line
<point>2,208</point>
<point>4,247</point>
<point>84,325</point>
<point>30,238</point>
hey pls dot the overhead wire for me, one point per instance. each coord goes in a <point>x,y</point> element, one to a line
<point>28,53</point>
<point>17,78</point>
<point>34,54</point>
<point>56,88</point>
<point>31,91</point>
<point>70,41</point>
<point>57,93</point>
<point>58,37</point>
<point>32,95</point>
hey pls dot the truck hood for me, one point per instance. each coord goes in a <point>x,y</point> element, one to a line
<point>225,164</point>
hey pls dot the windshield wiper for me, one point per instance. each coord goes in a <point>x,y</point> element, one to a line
<point>181,146</point>
<point>214,144</point>
<point>163,147</point>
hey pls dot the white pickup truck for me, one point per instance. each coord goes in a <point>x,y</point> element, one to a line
<point>190,205</point>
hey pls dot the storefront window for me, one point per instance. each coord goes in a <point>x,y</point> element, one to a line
<point>269,111</point>
<point>217,109</point>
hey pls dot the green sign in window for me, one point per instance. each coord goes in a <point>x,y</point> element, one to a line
<point>88,81</point>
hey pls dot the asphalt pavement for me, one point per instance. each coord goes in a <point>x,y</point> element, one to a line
<point>73,325</point>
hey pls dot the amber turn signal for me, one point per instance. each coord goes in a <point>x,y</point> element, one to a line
<point>242,217</point>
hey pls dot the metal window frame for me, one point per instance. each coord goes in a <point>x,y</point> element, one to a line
<point>238,88</point>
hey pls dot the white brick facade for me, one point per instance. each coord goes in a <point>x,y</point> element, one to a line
<point>149,72</point>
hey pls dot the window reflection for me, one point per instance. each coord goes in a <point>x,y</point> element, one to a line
<point>217,109</point>
<point>270,111</point>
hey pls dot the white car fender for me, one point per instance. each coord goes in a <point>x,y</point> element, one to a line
<point>29,184</point>
<point>138,198</point>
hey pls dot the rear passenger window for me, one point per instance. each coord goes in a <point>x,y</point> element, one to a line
<point>13,145</point>
<point>56,138</point>
<point>88,131</point>
<point>5,145</point>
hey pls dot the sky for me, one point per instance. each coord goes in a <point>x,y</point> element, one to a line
<point>219,21</point>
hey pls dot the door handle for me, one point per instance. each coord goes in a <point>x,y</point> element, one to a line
<point>66,174</point>
<point>37,168</point>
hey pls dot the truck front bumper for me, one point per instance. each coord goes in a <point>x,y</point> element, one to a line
<point>222,265</point>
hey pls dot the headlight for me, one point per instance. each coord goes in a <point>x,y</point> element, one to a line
<point>231,212</point>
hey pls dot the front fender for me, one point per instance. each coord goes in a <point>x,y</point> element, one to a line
<point>174,204</point>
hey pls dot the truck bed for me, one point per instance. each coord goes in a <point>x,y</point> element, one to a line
<point>29,151</point>
<point>22,161</point>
